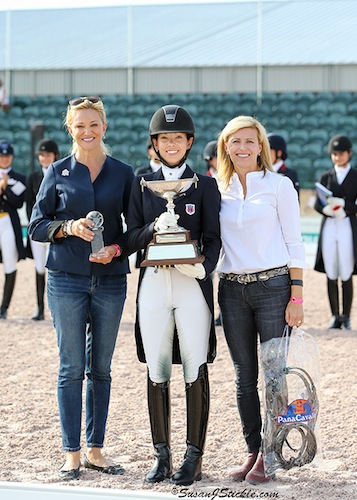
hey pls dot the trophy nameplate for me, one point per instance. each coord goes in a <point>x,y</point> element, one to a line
<point>174,245</point>
<point>97,243</point>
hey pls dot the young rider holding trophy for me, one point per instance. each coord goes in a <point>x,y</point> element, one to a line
<point>174,321</point>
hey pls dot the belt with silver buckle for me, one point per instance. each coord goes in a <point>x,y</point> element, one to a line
<point>246,278</point>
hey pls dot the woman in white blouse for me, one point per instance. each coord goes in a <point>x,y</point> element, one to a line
<point>260,267</point>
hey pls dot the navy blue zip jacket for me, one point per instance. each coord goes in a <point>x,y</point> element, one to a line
<point>67,192</point>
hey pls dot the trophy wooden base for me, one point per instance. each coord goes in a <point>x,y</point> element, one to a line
<point>166,254</point>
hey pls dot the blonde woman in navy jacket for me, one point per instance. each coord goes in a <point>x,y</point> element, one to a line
<point>174,320</point>
<point>86,292</point>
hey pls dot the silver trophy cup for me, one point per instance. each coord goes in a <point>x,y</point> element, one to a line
<point>174,245</point>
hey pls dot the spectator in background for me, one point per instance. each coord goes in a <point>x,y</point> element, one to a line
<point>47,153</point>
<point>279,153</point>
<point>86,291</point>
<point>337,245</point>
<point>210,155</point>
<point>154,163</point>
<point>12,196</point>
<point>4,98</point>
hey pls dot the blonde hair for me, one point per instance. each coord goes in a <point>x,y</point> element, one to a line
<point>86,104</point>
<point>224,162</point>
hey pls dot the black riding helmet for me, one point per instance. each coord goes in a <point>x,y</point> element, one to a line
<point>210,150</point>
<point>339,144</point>
<point>47,146</point>
<point>171,118</point>
<point>277,142</point>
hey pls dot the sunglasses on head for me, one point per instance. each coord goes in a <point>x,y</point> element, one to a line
<point>79,100</point>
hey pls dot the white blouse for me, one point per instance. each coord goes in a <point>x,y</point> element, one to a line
<point>261,231</point>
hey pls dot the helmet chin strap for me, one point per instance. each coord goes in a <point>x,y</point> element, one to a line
<point>179,164</point>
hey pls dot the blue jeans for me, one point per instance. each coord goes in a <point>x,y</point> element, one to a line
<point>250,310</point>
<point>86,312</point>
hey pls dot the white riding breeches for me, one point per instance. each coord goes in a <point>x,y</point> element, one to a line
<point>168,298</point>
<point>39,253</point>
<point>337,248</point>
<point>10,254</point>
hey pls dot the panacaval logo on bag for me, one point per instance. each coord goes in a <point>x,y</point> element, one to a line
<point>297,412</point>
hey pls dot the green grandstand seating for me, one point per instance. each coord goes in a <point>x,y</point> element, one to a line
<point>337,107</point>
<point>309,122</point>
<point>22,136</point>
<point>319,107</point>
<point>305,97</point>
<point>303,168</point>
<point>322,164</point>
<point>283,108</point>
<point>294,150</point>
<point>22,101</point>
<point>300,136</point>
<point>49,111</point>
<point>15,111</point>
<point>53,124</point>
<point>313,150</point>
<point>306,120</point>
<point>289,123</point>
<point>352,107</point>
<point>319,134</point>
<point>109,100</point>
<point>345,97</point>
<point>18,123</point>
<point>60,136</point>
<point>122,122</point>
<point>348,122</point>
<point>33,111</point>
<point>7,135</point>
<point>250,97</point>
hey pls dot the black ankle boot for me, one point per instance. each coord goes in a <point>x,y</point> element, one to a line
<point>160,422</point>
<point>197,401</point>
<point>40,314</point>
<point>3,312</point>
<point>345,322</point>
<point>191,467</point>
<point>334,323</point>
<point>162,467</point>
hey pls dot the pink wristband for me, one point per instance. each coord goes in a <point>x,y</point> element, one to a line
<point>117,248</point>
<point>296,300</point>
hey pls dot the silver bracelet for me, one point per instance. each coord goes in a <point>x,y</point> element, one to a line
<point>69,227</point>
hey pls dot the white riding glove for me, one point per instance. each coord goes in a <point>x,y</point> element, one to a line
<point>166,220</point>
<point>192,270</point>
<point>328,211</point>
<point>336,202</point>
<point>340,213</point>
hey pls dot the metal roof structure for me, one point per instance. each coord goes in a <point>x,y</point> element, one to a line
<point>291,32</point>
